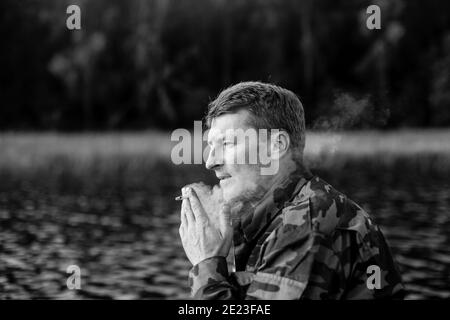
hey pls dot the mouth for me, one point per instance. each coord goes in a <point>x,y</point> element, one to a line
<point>223,178</point>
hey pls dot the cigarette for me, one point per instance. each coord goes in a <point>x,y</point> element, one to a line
<point>179,198</point>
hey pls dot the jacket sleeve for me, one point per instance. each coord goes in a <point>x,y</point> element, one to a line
<point>285,263</point>
<point>374,273</point>
<point>209,280</point>
<point>282,272</point>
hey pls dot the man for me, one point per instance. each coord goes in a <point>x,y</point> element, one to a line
<point>293,235</point>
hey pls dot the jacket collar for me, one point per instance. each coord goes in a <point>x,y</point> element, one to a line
<point>255,218</point>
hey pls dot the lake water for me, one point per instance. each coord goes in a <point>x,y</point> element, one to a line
<point>123,231</point>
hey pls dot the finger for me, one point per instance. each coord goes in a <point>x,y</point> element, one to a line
<point>183,220</point>
<point>187,210</point>
<point>181,232</point>
<point>197,208</point>
<point>225,220</point>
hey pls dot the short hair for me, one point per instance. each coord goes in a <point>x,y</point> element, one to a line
<point>270,107</point>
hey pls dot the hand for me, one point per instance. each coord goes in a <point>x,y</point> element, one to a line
<point>200,238</point>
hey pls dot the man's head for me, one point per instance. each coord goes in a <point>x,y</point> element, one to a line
<point>253,106</point>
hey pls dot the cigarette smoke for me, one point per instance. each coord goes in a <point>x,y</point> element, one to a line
<point>347,112</point>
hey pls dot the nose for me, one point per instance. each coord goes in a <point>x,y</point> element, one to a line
<point>215,159</point>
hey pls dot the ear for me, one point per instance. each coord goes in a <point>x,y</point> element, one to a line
<point>280,143</point>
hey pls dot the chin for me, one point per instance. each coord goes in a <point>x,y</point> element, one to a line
<point>231,195</point>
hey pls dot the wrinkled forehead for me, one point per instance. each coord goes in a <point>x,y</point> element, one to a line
<point>226,125</point>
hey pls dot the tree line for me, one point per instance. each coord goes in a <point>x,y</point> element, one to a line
<point>157,63</point>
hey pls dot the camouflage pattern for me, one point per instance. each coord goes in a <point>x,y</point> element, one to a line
<point>304,240</point>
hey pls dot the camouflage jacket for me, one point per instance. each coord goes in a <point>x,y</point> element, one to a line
<point>304,240</point>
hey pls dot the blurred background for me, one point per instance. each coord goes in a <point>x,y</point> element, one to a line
<point>86,117</point>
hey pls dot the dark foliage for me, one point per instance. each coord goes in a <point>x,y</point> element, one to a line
<point>142,63</point>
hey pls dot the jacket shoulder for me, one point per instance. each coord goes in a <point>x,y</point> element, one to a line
<point>327,209</point>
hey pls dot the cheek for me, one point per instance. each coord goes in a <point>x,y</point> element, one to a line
<point>242,154</point>
<point>247,178</point>
<point>234,155</point>
<point>229,155</point>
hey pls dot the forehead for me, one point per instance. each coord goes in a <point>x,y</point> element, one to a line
<point>227,122</point>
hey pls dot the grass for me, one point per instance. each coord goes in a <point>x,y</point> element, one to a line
<point>31,149</point>
<point>391,143</point>
<point>130,158</point>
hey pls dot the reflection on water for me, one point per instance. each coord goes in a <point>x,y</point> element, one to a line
<point>126,240</point>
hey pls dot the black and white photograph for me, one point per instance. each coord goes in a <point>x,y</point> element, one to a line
<point>224,150</point>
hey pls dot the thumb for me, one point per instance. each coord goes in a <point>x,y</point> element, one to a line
<point>225,221</point>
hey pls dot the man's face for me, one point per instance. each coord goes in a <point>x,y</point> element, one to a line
<point>239,180</point>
